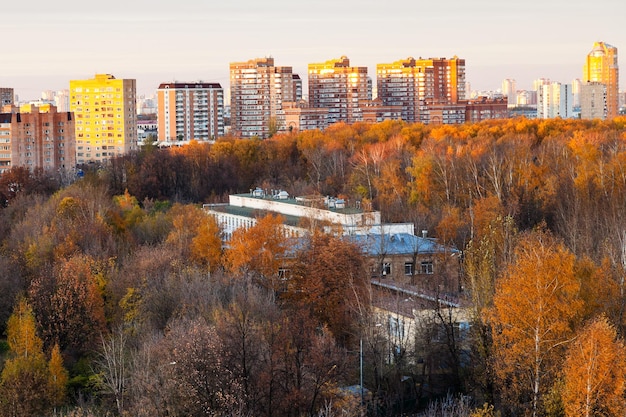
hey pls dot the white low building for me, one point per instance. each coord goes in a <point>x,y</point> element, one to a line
<point>301,213</point>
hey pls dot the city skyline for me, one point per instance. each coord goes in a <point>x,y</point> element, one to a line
<point>154,42</point>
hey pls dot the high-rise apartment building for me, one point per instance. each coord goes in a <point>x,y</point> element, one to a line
<point>190,111</point>
<point>593,97</point>
<point>6,96</point>
<point>424,87</point>
<point>258,90</point>
<point>106,117</point>
<point>509,90</point>
<point>601,66</point>
<point>576,85</point>
<point>37,137</point>
<point>338,87</point>
<point>554,100</point>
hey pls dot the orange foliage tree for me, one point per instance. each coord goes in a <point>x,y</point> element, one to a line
<point>534,306</point>
<point>259,249</point>
<point>196,236</point>
<point>594,371</point>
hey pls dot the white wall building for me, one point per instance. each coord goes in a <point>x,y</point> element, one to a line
<point>331,213</point>
<point>554,100</point>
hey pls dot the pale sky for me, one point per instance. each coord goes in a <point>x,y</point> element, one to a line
<point>48,43</point>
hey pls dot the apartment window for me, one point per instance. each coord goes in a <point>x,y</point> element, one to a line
<point>426,267</point>
<point>396,328</point>
<point>284,273</point>
<point>385,268</point>
<point>408,268</point>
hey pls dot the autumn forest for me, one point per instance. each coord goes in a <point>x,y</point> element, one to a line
<point>118,297</point>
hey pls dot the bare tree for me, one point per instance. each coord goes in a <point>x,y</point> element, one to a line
<point>112,366</point>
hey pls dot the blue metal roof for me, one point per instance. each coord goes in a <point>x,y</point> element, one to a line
<point>381,244</point>
<point>399,244</point>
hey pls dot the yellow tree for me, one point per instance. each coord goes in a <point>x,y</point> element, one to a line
<point>58,377</point>
<point>24,381</point>
<point>594,371</point>
<point>185,221</point>
<point>534,307</point>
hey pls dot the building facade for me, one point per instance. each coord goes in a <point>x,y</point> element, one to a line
<point>484,108</point>
<point>424,88</point>
<point>509,90</point>
<point>601,66</point>
<point>258,89</point>
<point>37,137</point>
<point>554,100</point>
<point>374,111</point>
<point>106,117</point>
<point>593,98</point>
<point>6,96</point>
<point>190,111</point>
<point>338,87</point>
<point>299,117</point>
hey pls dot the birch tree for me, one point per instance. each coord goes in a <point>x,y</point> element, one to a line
<point>594,371</point>
<point>534,307</point>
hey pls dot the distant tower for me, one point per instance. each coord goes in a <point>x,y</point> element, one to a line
<point>593,98</point>
<point>539,82</point>
<point>509,90</point>
<point>554,100</point>
<point>601,67</point>
<point>6,97</point>
<point>576,85</point>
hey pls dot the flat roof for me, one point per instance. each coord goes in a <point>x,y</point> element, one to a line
<point>251,212</point>
<point>301,201</point>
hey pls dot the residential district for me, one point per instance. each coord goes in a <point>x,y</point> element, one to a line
<point>100,118</point>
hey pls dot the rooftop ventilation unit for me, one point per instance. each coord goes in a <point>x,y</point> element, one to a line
<point>258,192</point>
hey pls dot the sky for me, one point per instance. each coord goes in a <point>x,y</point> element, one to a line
<point>48,43</point>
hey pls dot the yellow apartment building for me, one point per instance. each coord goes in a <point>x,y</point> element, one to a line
<point>601,67</point>
<point>106,117</point>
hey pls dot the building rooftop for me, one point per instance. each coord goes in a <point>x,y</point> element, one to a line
<point>250,212</point>
<point>375,244</point>
<point>337,205</point>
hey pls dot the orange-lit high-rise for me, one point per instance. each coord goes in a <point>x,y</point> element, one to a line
<point>601,67</point>
<point>340,88</point>
<point>422,86</point>
<point>258,90</point>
